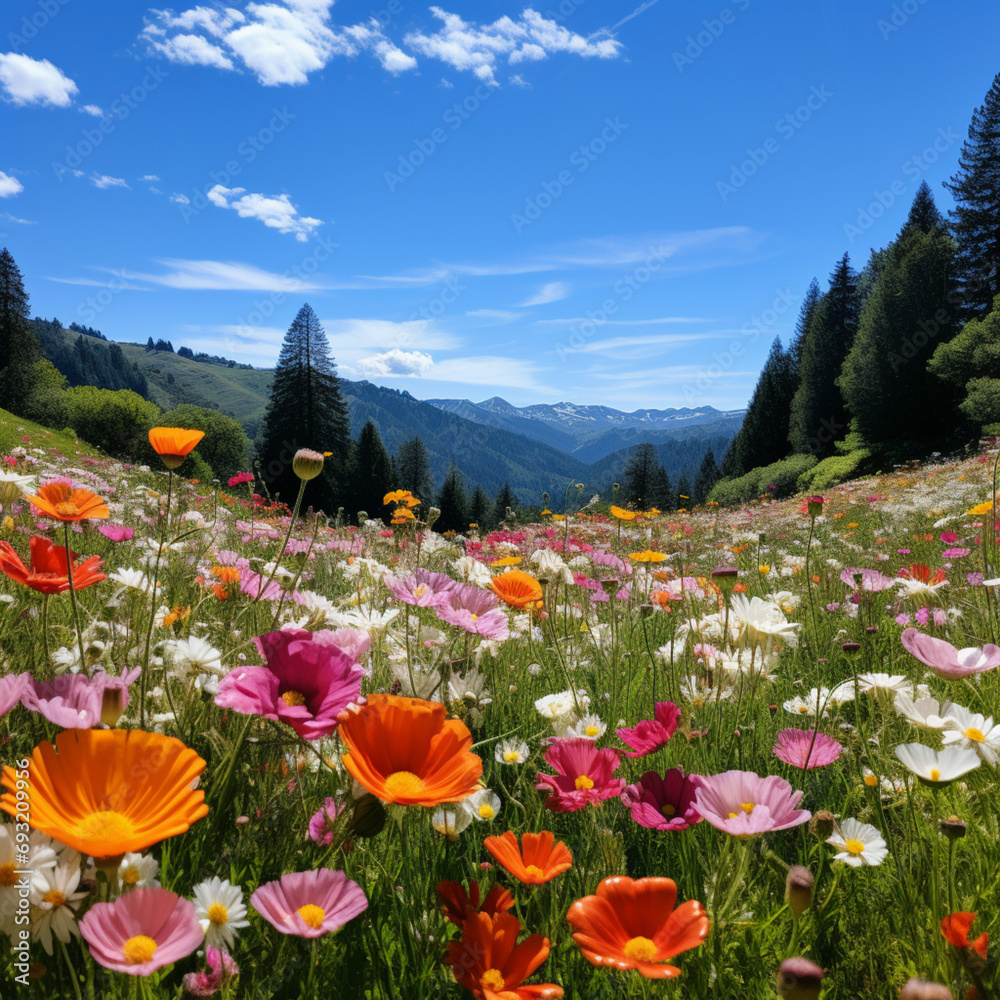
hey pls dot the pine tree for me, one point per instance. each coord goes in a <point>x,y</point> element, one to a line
<point>641,477</point>
<point>661,494</point>
<point>885,382</point>
<point>505,499</point>
<point>708,476</point>
<point>684,498</point>
<point>18,344</point>
<point>480,509</point>
<point>413,471</point>
<point>305,410</point>
<point>453,502</point>
<point>975,220</point>
<point>806,313</point>
<point>763,436</point>
<point>369,475</point>
<point>818,416</point>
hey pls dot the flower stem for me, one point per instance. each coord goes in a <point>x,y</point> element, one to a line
<point>72,598</point>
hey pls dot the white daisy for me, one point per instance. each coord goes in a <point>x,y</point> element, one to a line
<point>859,844</point>
<point>221,911</point>
<point>809,705</point>
<point>590,727</point>
<point>38,856</point>
<point>937,767</point>
<point>973,732</point>
<point>558,706</point>
<point>192,655</point>
<point>890,683</point>
<point>450,823</point>
<point>54,900</point>
<point>927,713</point>
<point>138,871</point>
<point>482,805</point>
<point>511,752</point>
<point>762,623</point>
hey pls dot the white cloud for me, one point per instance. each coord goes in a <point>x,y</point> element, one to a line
<point>92,109</point>
<point>35,81</point>
<point>9,186</point>
<point>396,362</point>
<point>149,177</point>
<point>275,211</point>
<point>180,199</point>
<point>553,291</point>
<point>20,222</point>
<point>504,315</point>
<point>103,181</point>
<point>280,42</point>
<point>466,46</point>
<point>363,335</point>
<point>216,275</point>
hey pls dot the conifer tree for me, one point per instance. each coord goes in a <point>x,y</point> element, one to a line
<point>806,312</point>
<point>975,220</point>
<point>480,509</point>
<point>453,502</point>
<point>369,475</point>
<point>818,416</point>
<point>412,470</point>
<point>708,476</point>
<point>18,345</point>
<point>306,410</point>
<point>641,480</point>
<point>684,498</point>
<point>885,382</point>
<point>505,499</point>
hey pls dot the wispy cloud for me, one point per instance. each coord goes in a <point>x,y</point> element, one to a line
<point>103,181</point>
<point>553,291</point>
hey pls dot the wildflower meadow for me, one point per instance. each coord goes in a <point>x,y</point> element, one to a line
<point>252,752</point>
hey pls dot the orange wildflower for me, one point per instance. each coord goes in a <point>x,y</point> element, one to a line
<point>540,858</point>
<point>955,928</point>
<point>490,963</point>
<point>108,791</point>
<point>177,615</point>
<point>457,905</point>
<point>624,515</point>
<point>517,588</point>
<point>632,924</point>
<point>647,556</point>
<point>226,574</point>
<point>62,503</point>
<point>398,497</point>
<point>48,568</point>
<point>406,750</point>
<point>504,561</point>
<point>174,444</point>
<point>220,592</point>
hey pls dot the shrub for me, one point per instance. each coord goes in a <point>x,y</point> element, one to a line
<point>833,470</point>
<point>114,420</point>
<point>779,479</point>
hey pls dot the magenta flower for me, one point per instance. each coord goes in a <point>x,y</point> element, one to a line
<point>116,532</point>
<point>321,823</point>
<point>12,688</point>
<point>584,775</point>
<point>956,552</point>
<point>947,661</point>
<point>744,804</point>
<point>310,904</point>
<point>74,701</point>
<point>665,803</point>
<point>307,682</point>
<point>221,969</point>
<point>423,588</point>
<point>805,748</point>
<point>256,585</point>
<point>355,642</point>
<point>653,734</point>
<point>240,478</point>
<point>141,931</point>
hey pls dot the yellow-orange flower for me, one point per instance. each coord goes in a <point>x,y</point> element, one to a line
<point>226,574</point>
<point>174,444</point>
<point>539,858</point>
<point>982,508</point>
<point>517,588</point>
<point>504,561</point>
<point>624,515</point>
<point>407,751</point>
<point>108,791</point>
<point>400,497</point>
<point>647,556</point>
<point>62,503</point>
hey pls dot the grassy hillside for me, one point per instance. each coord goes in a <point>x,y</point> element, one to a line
<point>16,432</point>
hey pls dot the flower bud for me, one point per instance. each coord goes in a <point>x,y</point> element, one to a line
<point>432,515</point>
<point>798,889</point>
<point>920,989</point>
<point>724,577</point>
<point>113,702</point>
<point>610,585</point>
<point>362,516</point>
<point>799,979</point>
<point>822,824</point>
<point>368,817</point>
<point>815,506</point>
<point>851,647</point>
<point>953,828</point>
<point>307,464</point>
<point>645,610</point>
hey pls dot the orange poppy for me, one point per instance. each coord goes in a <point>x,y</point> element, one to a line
<point>108,791</point>
<point>400,497</point>
<point>647,556</point>
<point>407,751</point>
<point>540,858</point>
<point>489,962</point>
<point>48,572</point>
<point>517,588</point>
<point>624,515</point>
<point>226,574</point>
<point>955,928</point>
<point>174,444</point>
<point>632,924</point>
<point>62,503</point>
<point>457,905</point>
<point>505,561</point>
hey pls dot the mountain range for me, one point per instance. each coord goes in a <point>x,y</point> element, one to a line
<point>534,448</point>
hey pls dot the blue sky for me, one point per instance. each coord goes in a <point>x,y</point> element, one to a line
<point>607,202</point>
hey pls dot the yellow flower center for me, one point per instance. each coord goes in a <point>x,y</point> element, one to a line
<point>492,979</point>
<point>854,847</point>
<point>139,950</point>
<point>747,807</point>
<point>935,774</point>
<point>107,826</point>
<point>403,784</point>
<point>668,809</point>
<point>584,781</point>
<point>870,780</point>
<point>293,698</point>
<point>218,914</point>
<point>592,731</point>
<point>534,871</point>
<point>640,949</point>
<point>974,734</point>
<point>312,915</point>
<point>803,709</point>
<point>7,876</point>
<point>54,898</point>
<point>130,876</point>
<point>510,756</point>
<point>486,811</point>
<point>67,509</point>
<point>420,590</point>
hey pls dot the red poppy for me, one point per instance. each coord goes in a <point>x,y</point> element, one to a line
<point>955,928</point>
<point>457,905</point>
<point>48,572</point>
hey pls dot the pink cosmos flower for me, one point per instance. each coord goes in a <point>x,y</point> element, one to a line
<point>321,822</point>
<point>310,904</point>
<point>744,804</point>
<point>871,580</point>
<point>307,682</point>
<point>74,701</point>
<point>240,478</point>
<point>141,931</point>
<point>423,588</point>
<point>652,735</point>
<point>805,748</point>
<point>221,969</point>
<point>583,775</point>
<point>956,552</point>
<point>474,610</point>
<point>947,661</point>
<point>355,642</point>
<point>254,583</point>
<point>116,532</point>
<point>663,803</point>
<point>12,688</point>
